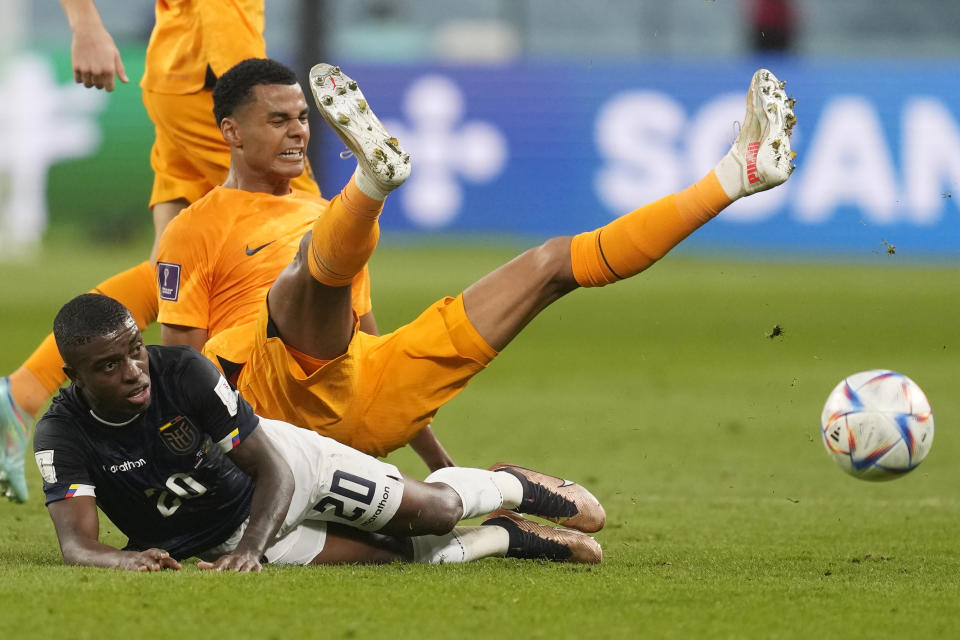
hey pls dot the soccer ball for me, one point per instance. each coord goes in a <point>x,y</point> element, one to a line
<point>877,425</point>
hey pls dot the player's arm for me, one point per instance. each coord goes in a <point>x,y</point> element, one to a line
<point>430,450</point>
<point>96,59</point>
<point>174,334</point>
<point>78,530</point>
<point>260,459</point>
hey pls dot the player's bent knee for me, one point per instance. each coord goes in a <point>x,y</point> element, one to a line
<point>446,509</point>
<point>427,508</point>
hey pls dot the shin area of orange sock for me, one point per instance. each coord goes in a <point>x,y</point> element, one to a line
<point>344,237</point>
<point>633,242</point>
<point>42,373</point>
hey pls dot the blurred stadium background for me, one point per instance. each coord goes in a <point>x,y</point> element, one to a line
<point>536,117</point>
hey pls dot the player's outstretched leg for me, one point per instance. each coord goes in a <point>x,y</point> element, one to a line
<point>562,501</point>
<point>500,304</point>
<point>532,541</point>
<point>14,437</point>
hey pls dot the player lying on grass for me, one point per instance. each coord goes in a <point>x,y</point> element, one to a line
<point>302,360</point>
<point>176,458</point>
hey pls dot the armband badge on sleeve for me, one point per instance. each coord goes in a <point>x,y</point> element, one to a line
<point>168,280</point>
<point>227,395</point>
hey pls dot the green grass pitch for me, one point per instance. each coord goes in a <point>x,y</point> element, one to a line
<point>665,395</point>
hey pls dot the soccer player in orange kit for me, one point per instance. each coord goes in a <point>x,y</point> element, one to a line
<point>283,330</point>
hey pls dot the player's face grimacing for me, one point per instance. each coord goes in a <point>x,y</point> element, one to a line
<point>274,130</point>
<point>113,373</point>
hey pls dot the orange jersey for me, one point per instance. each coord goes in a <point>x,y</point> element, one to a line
<point>218,258</point>
<point>190,35</point>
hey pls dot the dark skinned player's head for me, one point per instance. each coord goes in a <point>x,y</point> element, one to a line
<point>104,355</point>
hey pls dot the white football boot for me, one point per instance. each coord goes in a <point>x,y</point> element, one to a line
<point>761,157</point>
<point>343,106</point>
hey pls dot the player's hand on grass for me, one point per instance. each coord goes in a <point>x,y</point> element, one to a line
<point>96,59</point>
<point>241,561</point>
<point>150,560</point>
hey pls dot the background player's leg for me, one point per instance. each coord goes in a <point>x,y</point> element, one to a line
<point>163,213</point>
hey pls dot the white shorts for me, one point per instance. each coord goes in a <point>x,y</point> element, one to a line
<point>333,483</point>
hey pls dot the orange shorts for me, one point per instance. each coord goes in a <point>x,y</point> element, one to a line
<point>379,394</point>
<point>189,156</point>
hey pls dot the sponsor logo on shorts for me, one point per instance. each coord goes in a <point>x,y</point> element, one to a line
<point>380,506</point>
<point>168,279</point>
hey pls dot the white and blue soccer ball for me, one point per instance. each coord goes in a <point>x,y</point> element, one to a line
<point>877,425</point>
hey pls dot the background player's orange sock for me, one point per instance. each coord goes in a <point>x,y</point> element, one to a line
<point>344,237</point>
<point>42,373</point>
<point>633,242</point>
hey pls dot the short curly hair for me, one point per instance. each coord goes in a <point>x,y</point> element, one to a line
<point>235,87</point>
<point>85,318</point>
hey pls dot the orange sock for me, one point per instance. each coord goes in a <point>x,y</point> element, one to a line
<point>344,237</point>
<point>42,373</point>
<point>633,242</point>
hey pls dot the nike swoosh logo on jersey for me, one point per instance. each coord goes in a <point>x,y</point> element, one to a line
<point>250,251</point>
<point>567,483</point>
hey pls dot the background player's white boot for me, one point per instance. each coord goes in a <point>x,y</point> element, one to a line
<point>761,157</point>
<point>343,106</point>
